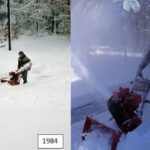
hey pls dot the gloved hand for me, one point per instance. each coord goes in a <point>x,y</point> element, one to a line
<point>17,71</point>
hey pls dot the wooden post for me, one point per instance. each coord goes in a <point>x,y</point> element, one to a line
<point>9,30</point>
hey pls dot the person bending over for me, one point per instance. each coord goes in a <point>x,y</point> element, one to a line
<point>24,65</point>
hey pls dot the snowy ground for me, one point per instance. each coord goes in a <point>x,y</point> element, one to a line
<point>42,106</point>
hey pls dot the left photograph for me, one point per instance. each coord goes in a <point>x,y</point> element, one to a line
<point>34,74</point>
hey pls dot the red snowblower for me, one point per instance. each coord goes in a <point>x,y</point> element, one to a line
<point>13,79</point>
<point>126,107</point>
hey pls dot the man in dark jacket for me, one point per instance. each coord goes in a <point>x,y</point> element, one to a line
<point>23,61</point>
<point>145,61</point>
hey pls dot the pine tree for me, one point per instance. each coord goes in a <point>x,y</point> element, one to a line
<point>33,16</point>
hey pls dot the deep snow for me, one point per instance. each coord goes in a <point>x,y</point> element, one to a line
<point>39,106</point>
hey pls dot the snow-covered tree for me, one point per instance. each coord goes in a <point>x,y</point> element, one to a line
<point>3,20</point>
<point>52,16</point>
<point>36,16</point>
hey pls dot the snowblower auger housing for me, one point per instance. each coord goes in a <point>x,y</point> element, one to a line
<point>91,124</point>
<point>13,79</point>
<point>123,105</point>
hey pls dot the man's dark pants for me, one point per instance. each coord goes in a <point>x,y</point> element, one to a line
<point>24,76</point>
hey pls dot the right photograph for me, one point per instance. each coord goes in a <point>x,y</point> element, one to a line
<point>110,87</point>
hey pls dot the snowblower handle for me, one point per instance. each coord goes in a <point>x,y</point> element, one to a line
<point>3,81</point>
<point>138,75</point>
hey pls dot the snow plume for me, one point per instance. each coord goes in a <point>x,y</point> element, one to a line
<point>104,26</point>
<point>84,73</point>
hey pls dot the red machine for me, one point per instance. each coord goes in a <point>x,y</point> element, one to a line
<point>123,105</point>
<point>126,107</point>
<point>13,79</point>
<point>92,124</point>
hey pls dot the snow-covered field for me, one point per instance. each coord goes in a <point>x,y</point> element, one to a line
<point>42,106</point>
